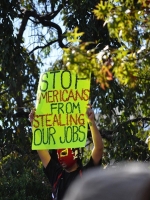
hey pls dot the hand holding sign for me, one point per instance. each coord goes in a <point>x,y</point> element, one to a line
<point>60,120</point>
<point>32,115</point>
<point>90,114</point>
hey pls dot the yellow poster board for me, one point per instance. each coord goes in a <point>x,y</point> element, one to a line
<point>60,118</point>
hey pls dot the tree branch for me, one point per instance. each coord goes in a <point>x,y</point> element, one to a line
<point>6,91</point>
<point>42,47</point>
<point>45,21</point>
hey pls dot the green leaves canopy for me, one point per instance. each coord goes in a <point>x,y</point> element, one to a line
<point>110,39</point>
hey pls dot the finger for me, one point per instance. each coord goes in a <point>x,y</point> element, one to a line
<point>89,105</point>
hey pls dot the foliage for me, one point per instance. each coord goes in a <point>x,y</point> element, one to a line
<point>110,40</point>
<point>120,86</point>
<point>124,22</point>
<point>19,181</point>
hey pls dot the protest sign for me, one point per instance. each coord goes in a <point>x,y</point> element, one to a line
<point>60,118</point>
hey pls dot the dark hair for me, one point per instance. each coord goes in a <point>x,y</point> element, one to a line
<point>125,182</point>
<point>54,155</point>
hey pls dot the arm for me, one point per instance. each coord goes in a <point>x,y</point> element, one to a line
<point>97,150</point>
<point>43,154</point>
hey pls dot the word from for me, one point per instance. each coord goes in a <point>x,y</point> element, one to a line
<point>64,108</point>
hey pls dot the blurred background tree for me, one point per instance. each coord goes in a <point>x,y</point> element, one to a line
<point>109,39</point>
